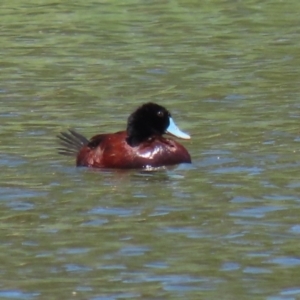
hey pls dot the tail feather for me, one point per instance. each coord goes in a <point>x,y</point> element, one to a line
<point>71,142</point>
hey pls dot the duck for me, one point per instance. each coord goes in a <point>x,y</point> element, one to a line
<point>141,146</point>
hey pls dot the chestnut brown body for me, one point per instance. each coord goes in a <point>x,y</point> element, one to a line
<point>113,151</point>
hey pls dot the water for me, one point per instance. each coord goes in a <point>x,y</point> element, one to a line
<point>225,228</point>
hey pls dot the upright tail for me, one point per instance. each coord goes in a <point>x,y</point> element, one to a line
<point>71,142</point>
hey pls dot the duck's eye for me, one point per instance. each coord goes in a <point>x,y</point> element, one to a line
<point>160,113</point>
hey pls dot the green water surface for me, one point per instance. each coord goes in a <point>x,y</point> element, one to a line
<point>228,227</point>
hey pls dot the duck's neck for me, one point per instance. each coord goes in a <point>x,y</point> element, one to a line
<point>135,139</point>
<point>139,130</point>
